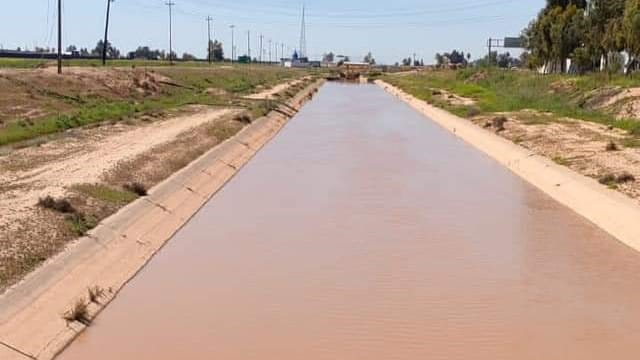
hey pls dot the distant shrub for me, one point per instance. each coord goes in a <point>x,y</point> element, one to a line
<point>498,123</point>
<point>136,188</point>
<point>625,177</point>
<point>59,205</point>
<point>612,146</point>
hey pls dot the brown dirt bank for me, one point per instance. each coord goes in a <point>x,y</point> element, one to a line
<point>98,169</point>
<point>31,313</point>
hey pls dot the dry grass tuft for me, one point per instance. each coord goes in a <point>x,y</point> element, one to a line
<point>136,188</point>
<point>79,313</point>
<point>95,294</point>
<point>498,123</point>
<point>612,146</point>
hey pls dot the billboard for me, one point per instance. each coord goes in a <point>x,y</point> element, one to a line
<point>513,42</point>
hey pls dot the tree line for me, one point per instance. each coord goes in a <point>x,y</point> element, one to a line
<point>215,50</point>
<point>592,33</point>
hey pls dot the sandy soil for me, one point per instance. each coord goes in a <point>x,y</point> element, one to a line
<point>580,145</point>
<point>270,93</point>
<point>81,158</point>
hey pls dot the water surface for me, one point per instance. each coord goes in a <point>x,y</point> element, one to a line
<point>364,231</point>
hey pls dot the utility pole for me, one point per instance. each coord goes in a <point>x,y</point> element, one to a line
<point>490,43</point>
<point>283,55</point>
<point>261,38</point>
<point>249,44</point>
<point>59,36</point>
<point>106,34</point>
<point>270,52</point>
<point>209,47</point>
<point>170,4</point>
<point>233,46</point>
<point>276,48</point>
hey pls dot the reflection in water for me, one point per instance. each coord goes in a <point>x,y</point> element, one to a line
<point>363,231</point>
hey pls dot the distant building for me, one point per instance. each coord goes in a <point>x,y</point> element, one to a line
<point>299,62</point>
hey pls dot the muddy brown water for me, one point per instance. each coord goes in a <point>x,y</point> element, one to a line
<point>364,231</point>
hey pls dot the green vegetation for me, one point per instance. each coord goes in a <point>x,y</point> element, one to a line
<point>495,90</point>
<point>80,223</point>
<point>591,33</point>
<point>106,193</point>
<point>78,102</point>
<point>561,161</point>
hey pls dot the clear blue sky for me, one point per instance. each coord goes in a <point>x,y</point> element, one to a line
<point>391,30</point>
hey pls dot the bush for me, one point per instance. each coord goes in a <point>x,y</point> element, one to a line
<point>79,312</point>
<point>611,179</point>
<point>59,205</point>
<point>95,294</point>
<point>136,188</point>
<point>80,224</point>
<point>625,177</point>
<point>612,146</point>
<point>607,179</point>
<point>243,118</point>
<point>498,123</point>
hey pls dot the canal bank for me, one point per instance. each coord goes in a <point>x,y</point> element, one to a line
<point>32,312</point>
<point>365,232</point>
<point>609,209</point>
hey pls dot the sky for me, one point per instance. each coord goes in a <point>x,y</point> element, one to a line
<point>390,30</point>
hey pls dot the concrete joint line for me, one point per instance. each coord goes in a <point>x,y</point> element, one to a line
<point>245,145</point>
<point>227,164</point>
<point>16,350</point>
<point>162,207</point>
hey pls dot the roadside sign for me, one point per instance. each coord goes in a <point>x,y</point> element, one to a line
<point>513,42</point>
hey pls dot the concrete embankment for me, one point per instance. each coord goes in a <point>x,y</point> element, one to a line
<point>32,313</point>
<point>612,211</point>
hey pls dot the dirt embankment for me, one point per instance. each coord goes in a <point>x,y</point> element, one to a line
<point>91,172</point>
<point>26,95</point>
<point>593,150</point>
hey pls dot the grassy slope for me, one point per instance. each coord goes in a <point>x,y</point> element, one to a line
<point>506,91</point>
<point>235,80</point>
<point>34,63</point>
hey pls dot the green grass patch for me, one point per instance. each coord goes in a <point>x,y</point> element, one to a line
<point>80,223</point>
<point>106,193</point>
<point>496,90</point>
<point>561,161</point>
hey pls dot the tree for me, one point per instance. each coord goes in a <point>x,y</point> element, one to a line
<point>604,34</point>
<point>188,57</point>
<point>406,62</point>
<point>112,52</point>
<point>369,59</point>
<point>216,51</point>
<point>328,58</point>
<point>144,52</point>
<point>631,28</point>
<point>555,34</point>
<point>71,48</point>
